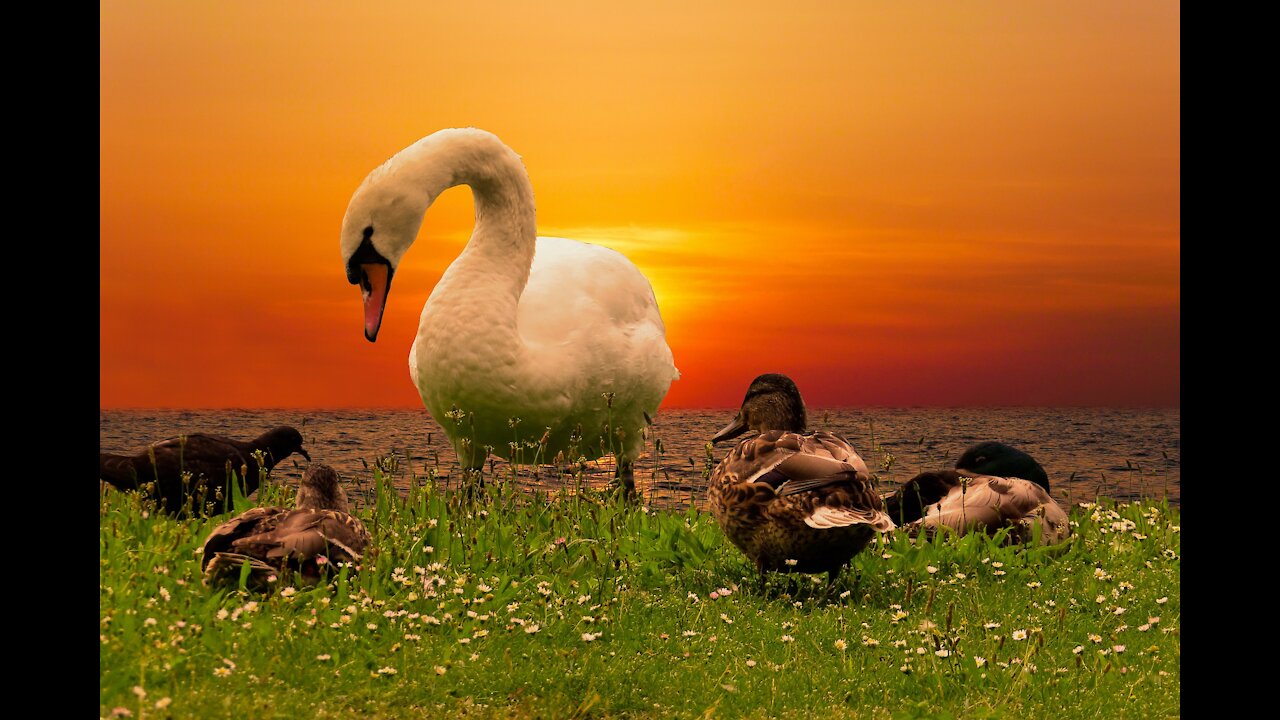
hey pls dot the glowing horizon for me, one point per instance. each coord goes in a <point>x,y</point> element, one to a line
<point>897,206</point>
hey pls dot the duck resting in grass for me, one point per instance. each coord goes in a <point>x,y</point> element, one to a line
<point>791,500</point>
<point>210,459</point>
<point>310,539</point>
<point>538,345</point>
<point>994,486</point>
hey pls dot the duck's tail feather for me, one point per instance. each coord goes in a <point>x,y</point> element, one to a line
<point>225,567</point>
<point>119,471</point>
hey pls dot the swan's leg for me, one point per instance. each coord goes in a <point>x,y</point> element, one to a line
<point>626,477</point>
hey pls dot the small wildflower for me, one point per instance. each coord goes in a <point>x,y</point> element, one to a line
<point>440,670</point>
<point>1077,649</point>
<point>387,670</point>
<point>991,625</point>
<point>787,639</point>
<point>149,621</point>
<point>140,692</point>
<point>840,644</point>
<point>979,660</point>
<point>588,637</point>
<point>323,657</point>
<point>931,569</point>
<point>1019,634</point>
<point>1161,601</point>
<point>121,712</point>
<point>1095,638</point>
<point>1118,648</point>
<point>751,663</point>
<point>163,703</point>
<point>791,562</point>
<point>532,628</point>
<point>942,653</point>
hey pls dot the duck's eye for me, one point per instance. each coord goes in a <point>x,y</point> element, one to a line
<point>980,459</point>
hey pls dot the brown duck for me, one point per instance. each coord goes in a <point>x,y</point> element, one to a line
<point>994,486</point>
<point>316,535</point>
<point>790,500</point>
<point>157,471</point>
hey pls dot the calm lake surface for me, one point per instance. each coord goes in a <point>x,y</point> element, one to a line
<point>1122,453</point>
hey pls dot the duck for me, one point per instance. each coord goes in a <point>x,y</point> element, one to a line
<point>158,470</point>
<point>994,486</point>
<point>790,499</point>
<point>525,342</point>
<point>317,534</point>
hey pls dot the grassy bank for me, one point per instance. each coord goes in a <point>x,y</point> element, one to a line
<point>524,606</point>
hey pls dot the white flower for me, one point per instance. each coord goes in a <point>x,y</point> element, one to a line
<point>840,644</point>
<point>979,660</point>
<point>1161,601</point>
<point>791,562</point>
<point>751,663</point>
<point>440,669</point>
<point>1077,649</point>
<point>931,569</point>
<point>163,703</point>
<point>1019,634</point>
<point>588,637</point>
<point>323,657</point>
<point>532,628</point>
<point>942,653</point>
<point>787,639</point>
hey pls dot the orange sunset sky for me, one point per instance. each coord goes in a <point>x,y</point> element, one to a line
<point>895,203</point>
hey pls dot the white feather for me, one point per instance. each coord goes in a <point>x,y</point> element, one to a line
<point>538,328</point>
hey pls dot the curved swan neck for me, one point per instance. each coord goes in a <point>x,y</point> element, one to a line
<point>500,186</point>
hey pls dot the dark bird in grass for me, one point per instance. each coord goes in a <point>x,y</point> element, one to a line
<point>318,534</point>
<point>206,460</point>
<point>791,500</point>
<point>994,486</point>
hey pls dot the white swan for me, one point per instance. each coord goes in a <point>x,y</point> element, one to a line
<point>538,328</point>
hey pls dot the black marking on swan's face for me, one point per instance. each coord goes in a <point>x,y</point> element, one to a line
<point>365,253</point>
<point>373,272</point>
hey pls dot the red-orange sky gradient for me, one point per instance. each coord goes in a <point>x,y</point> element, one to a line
<point>908,203</point>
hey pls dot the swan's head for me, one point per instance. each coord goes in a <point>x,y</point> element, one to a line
<point>993,458</point>
<point>772,402</point>
<point>382,221</point>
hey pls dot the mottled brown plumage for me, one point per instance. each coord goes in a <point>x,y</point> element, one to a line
<point>158,470</point>
<point>789,500</point>
<point>315,535</point>
<point>989,503</point>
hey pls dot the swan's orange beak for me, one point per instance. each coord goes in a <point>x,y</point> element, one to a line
<point>375,283</point>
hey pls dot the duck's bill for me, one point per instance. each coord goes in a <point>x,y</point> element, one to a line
<point>375,283</point>
<point>305,454</point>
<point>730,431</point>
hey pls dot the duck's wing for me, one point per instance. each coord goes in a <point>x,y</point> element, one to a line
<point>815,479</point>
<point>304,534</point>
<point>199,454</point>
<point>994,502</point>
<point>247,524</point>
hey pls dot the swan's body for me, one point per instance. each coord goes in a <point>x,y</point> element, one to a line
<point>558,333</point>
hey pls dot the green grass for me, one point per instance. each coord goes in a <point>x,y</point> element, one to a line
<point>441,619</point>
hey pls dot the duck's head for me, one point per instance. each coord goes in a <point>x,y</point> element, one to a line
<point>320,490</point>
<point>772,402</point>
<point>282,442</point>
<point>994,458</point>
